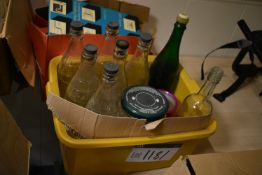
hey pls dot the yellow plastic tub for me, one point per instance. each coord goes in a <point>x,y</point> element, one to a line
<point>123,155</point>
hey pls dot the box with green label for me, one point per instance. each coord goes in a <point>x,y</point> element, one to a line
<point>121,145</point>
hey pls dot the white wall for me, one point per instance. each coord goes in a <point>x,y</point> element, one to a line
<point>212,23</point>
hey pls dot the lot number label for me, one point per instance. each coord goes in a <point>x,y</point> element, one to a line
<point>151,153</point>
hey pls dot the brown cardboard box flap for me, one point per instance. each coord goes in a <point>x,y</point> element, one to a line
<point>14,147</point>
<point>18,16</point>
<point>113,4</point>
<point>92,125</point>
<point>139,11</point>
<point>142,12</point>
<point>238,163</point>
<point>231,163</point>
<point>178,168</point>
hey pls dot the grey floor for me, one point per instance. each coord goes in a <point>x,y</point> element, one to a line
<point>35,120</point>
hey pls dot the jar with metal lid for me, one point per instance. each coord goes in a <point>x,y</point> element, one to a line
<point>144,102</point>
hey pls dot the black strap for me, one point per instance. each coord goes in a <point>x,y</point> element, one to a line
<point>239,44</point>
<point>222,96</point>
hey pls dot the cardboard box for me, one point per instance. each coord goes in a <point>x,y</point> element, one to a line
<point>47,47</point>
<point>93,125</point>
<point>238,163</point>
<point>142,12</point>
<point>94,17</point>
<point>14,147</point>
<point>14,35</point>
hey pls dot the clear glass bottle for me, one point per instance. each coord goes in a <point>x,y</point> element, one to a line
<point>108,46</point>
<point>198,104</point>
<point>107,99</point>
<point>70,60</point>
<point>137,68</point>
<point>85,81</point>
<point>119,58</point>
<point>164,70</point>
<point>111,34</point>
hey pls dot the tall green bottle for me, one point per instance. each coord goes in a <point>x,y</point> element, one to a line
<point>164,70</point>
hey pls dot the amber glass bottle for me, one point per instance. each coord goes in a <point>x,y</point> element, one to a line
<point>71,58</point>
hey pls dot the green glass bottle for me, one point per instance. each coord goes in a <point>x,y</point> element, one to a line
<point>164,70</point>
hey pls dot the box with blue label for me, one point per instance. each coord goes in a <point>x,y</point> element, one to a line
<point>45,42</point>
<point>94,18</point>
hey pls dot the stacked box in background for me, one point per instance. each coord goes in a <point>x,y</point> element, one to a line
<point>94,18</point>
<point>46,46</point>
<point>16,53</point>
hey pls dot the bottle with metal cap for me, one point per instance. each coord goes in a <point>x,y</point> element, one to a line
<point>84,83</point>
<point>119,58</point>
<point>107,50</point>
<point>111,34</point>
<point>137,68</point>
<point>198,104</point>
<point>164,71</point>
<point>71,58</point>
<point>144,102</point>
<point>107,98</point>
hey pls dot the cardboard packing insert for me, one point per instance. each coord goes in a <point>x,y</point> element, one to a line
<point>93,125</point>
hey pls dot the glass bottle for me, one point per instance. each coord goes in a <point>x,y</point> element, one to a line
<point>71,58</point>
<point>112,30</point>
<point>119,58</point>
<point>108,46</point>
<point>107,99</point>
<point>137,69</point>
<point>85,81</point>
<point>164,70</point>
<point>198,104</point>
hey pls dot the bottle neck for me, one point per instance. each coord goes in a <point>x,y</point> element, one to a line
<point>88,62</point>
<point>88,57</point>
<point>109,78</point>
<point>73,50</point>
<point>75,32</point>
<point>76,39</point>
<point>173,44</point>
<point>111,32</point>
<point>119,56</point>
<point>142,49</point>
<point>207,89</point>
<point>87,65</point>
<point>109,43</point>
